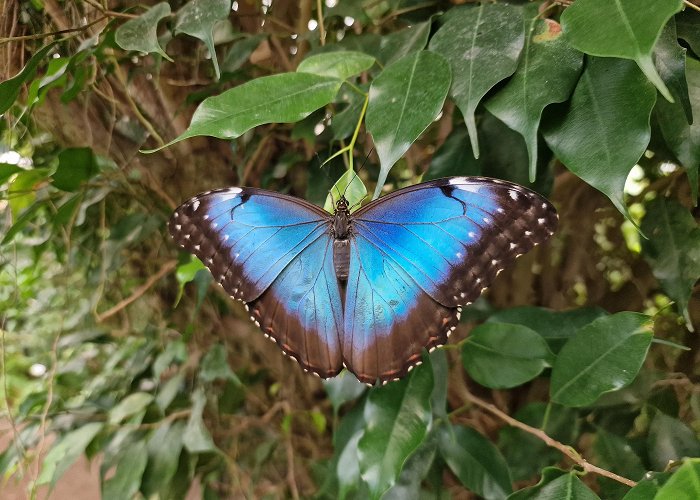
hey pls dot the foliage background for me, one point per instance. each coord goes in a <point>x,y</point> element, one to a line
<point>97,354</point>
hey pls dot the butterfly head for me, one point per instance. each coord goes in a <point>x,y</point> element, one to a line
<point>342,205</point>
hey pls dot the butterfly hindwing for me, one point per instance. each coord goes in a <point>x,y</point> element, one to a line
<point>266,249</point>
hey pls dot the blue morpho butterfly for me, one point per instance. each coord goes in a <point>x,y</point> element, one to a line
<point>369,290</point>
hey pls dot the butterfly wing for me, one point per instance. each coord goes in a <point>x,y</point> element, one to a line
<point>419,254</point>
<point>274,253</point>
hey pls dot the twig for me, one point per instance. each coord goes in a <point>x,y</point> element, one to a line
<point>38,36</point>
<point>167,267</point>
<point>322,29</point>
<point>566,450</point>
<point>691,5</point>
<point>110,13</point>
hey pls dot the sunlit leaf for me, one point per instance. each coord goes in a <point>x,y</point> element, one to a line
<point>605,129</point>
<point>403,100</point>
<point>141,34</point>
<point>350,186</point>
<point>490,40</point>
<point>684,484</point>
<point>623,28</point>
<point>603,356</point>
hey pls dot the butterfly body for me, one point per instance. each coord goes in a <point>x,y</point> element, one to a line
<point>368,290</point>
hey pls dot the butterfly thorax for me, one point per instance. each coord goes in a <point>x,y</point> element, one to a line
<point>341,244</point>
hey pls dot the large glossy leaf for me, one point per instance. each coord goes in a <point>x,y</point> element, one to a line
<point>126,480</point>
<point>397,417</point>
<point>623,28</point>
<point>683,138</point>
<point>566,487</point>
<point>603,356</point>
<point>198,17</point>
<point>475,461</point>
<point>482,45</point>
<point>141,34</point>
<point>673,249</point>
<point>9,89</point>
<point>282,98</point>
<point>59,459</point>
<point>502,355</point>
<point>684,484</point>
<point>670,439</point>
<point>556,327</point>
<point>605,130</point>
<point>341,64</point>
<point>403,100</point>
<point>670,62</point>
<point>547,73</point>
<point>408,485</point>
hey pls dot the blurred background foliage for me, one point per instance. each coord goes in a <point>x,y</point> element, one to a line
<point>115,346</point>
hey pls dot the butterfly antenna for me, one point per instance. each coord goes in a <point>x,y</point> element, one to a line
<point>357,174</point>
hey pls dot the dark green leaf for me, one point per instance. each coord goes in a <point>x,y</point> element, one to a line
<point>673,249</point>
<point>606,128</point>
<point>168,391</point>
<point>624,28</point>
<point>684,139</point>
<point>127,478</point>
<point>547,73</point>
<point>549,474</point>
<point>615,454</point>
<point>281,98</point>
<point>490,40</point>
<point>215,366</point>
<point>7,170</point>
<point>556,327</point>
<point>669,57</point>
<point>75,166</point>
<point>397,418</point>
<point>240,51</point>
<point>198,17</point>
<point>403,100</point>
<point>9,89</point>
<point>688,28</point>
<point>141,34</point>
<point>670,439</point>
<point>567,487</point>
<point>164,448</point>
<point>414,471</point>
<point>196,437</point>
<point>644,490</point>
<point>603,356</point>
<point>501,355</point>
<point>438,399</point>
<point>454,157</point>
<point>341,64</point>
<point>400,43</point>
<point>684,484</point>
<point>475,461</point>
<point>66,451</point>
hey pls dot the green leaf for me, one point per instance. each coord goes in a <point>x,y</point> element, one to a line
<point>684,484</point>
<point>603,356</point>
<point>198,17</point>
<point>394,46</point>
<point>547,73</point>
<point>75,166</point>
<point>501,355</point>
<point>606,128</point>
<point>684,139</point>
<point>9,89</point>
<point>282,98</point>
<point>549,474</point>
<point>196,437</point>
<point>673,249</point>
<point>490,40</point>
<point>454,157</point>
<point>556,327</point>
<point>414,471</point>
<point>66,451</point>
<point>688,28</point>
<point>141,34</point>
<point>131,405</point>
<point>615,454</point>
<point>7,170</point>
<point>343,388</point>
<point>164,448</point>
<point>403,100</point>
<point>127,478</point>
<point>169,390</point>
<point>397,418</point>
<point>349,185</point>
<point>670,439</point>
<point>567,487</point>
<point>623,28</point>
<point>240,51</point>
<point>644,490</point>
<point>475,461</point>
<point>341,64</point>
<point>215,366</point>
<point>670,57</point>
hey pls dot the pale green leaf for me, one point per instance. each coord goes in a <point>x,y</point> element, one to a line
<point>198,17</point>
<point>141,34</point>
<point>338,64</point>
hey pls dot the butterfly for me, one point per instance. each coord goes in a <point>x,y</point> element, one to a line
<point>368,290</point>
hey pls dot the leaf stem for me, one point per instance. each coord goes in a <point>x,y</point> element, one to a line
<point>570,452</point>
<point>349,148</point>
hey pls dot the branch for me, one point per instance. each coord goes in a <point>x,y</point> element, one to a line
<point>167,267</point>
<point>566,450</point>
